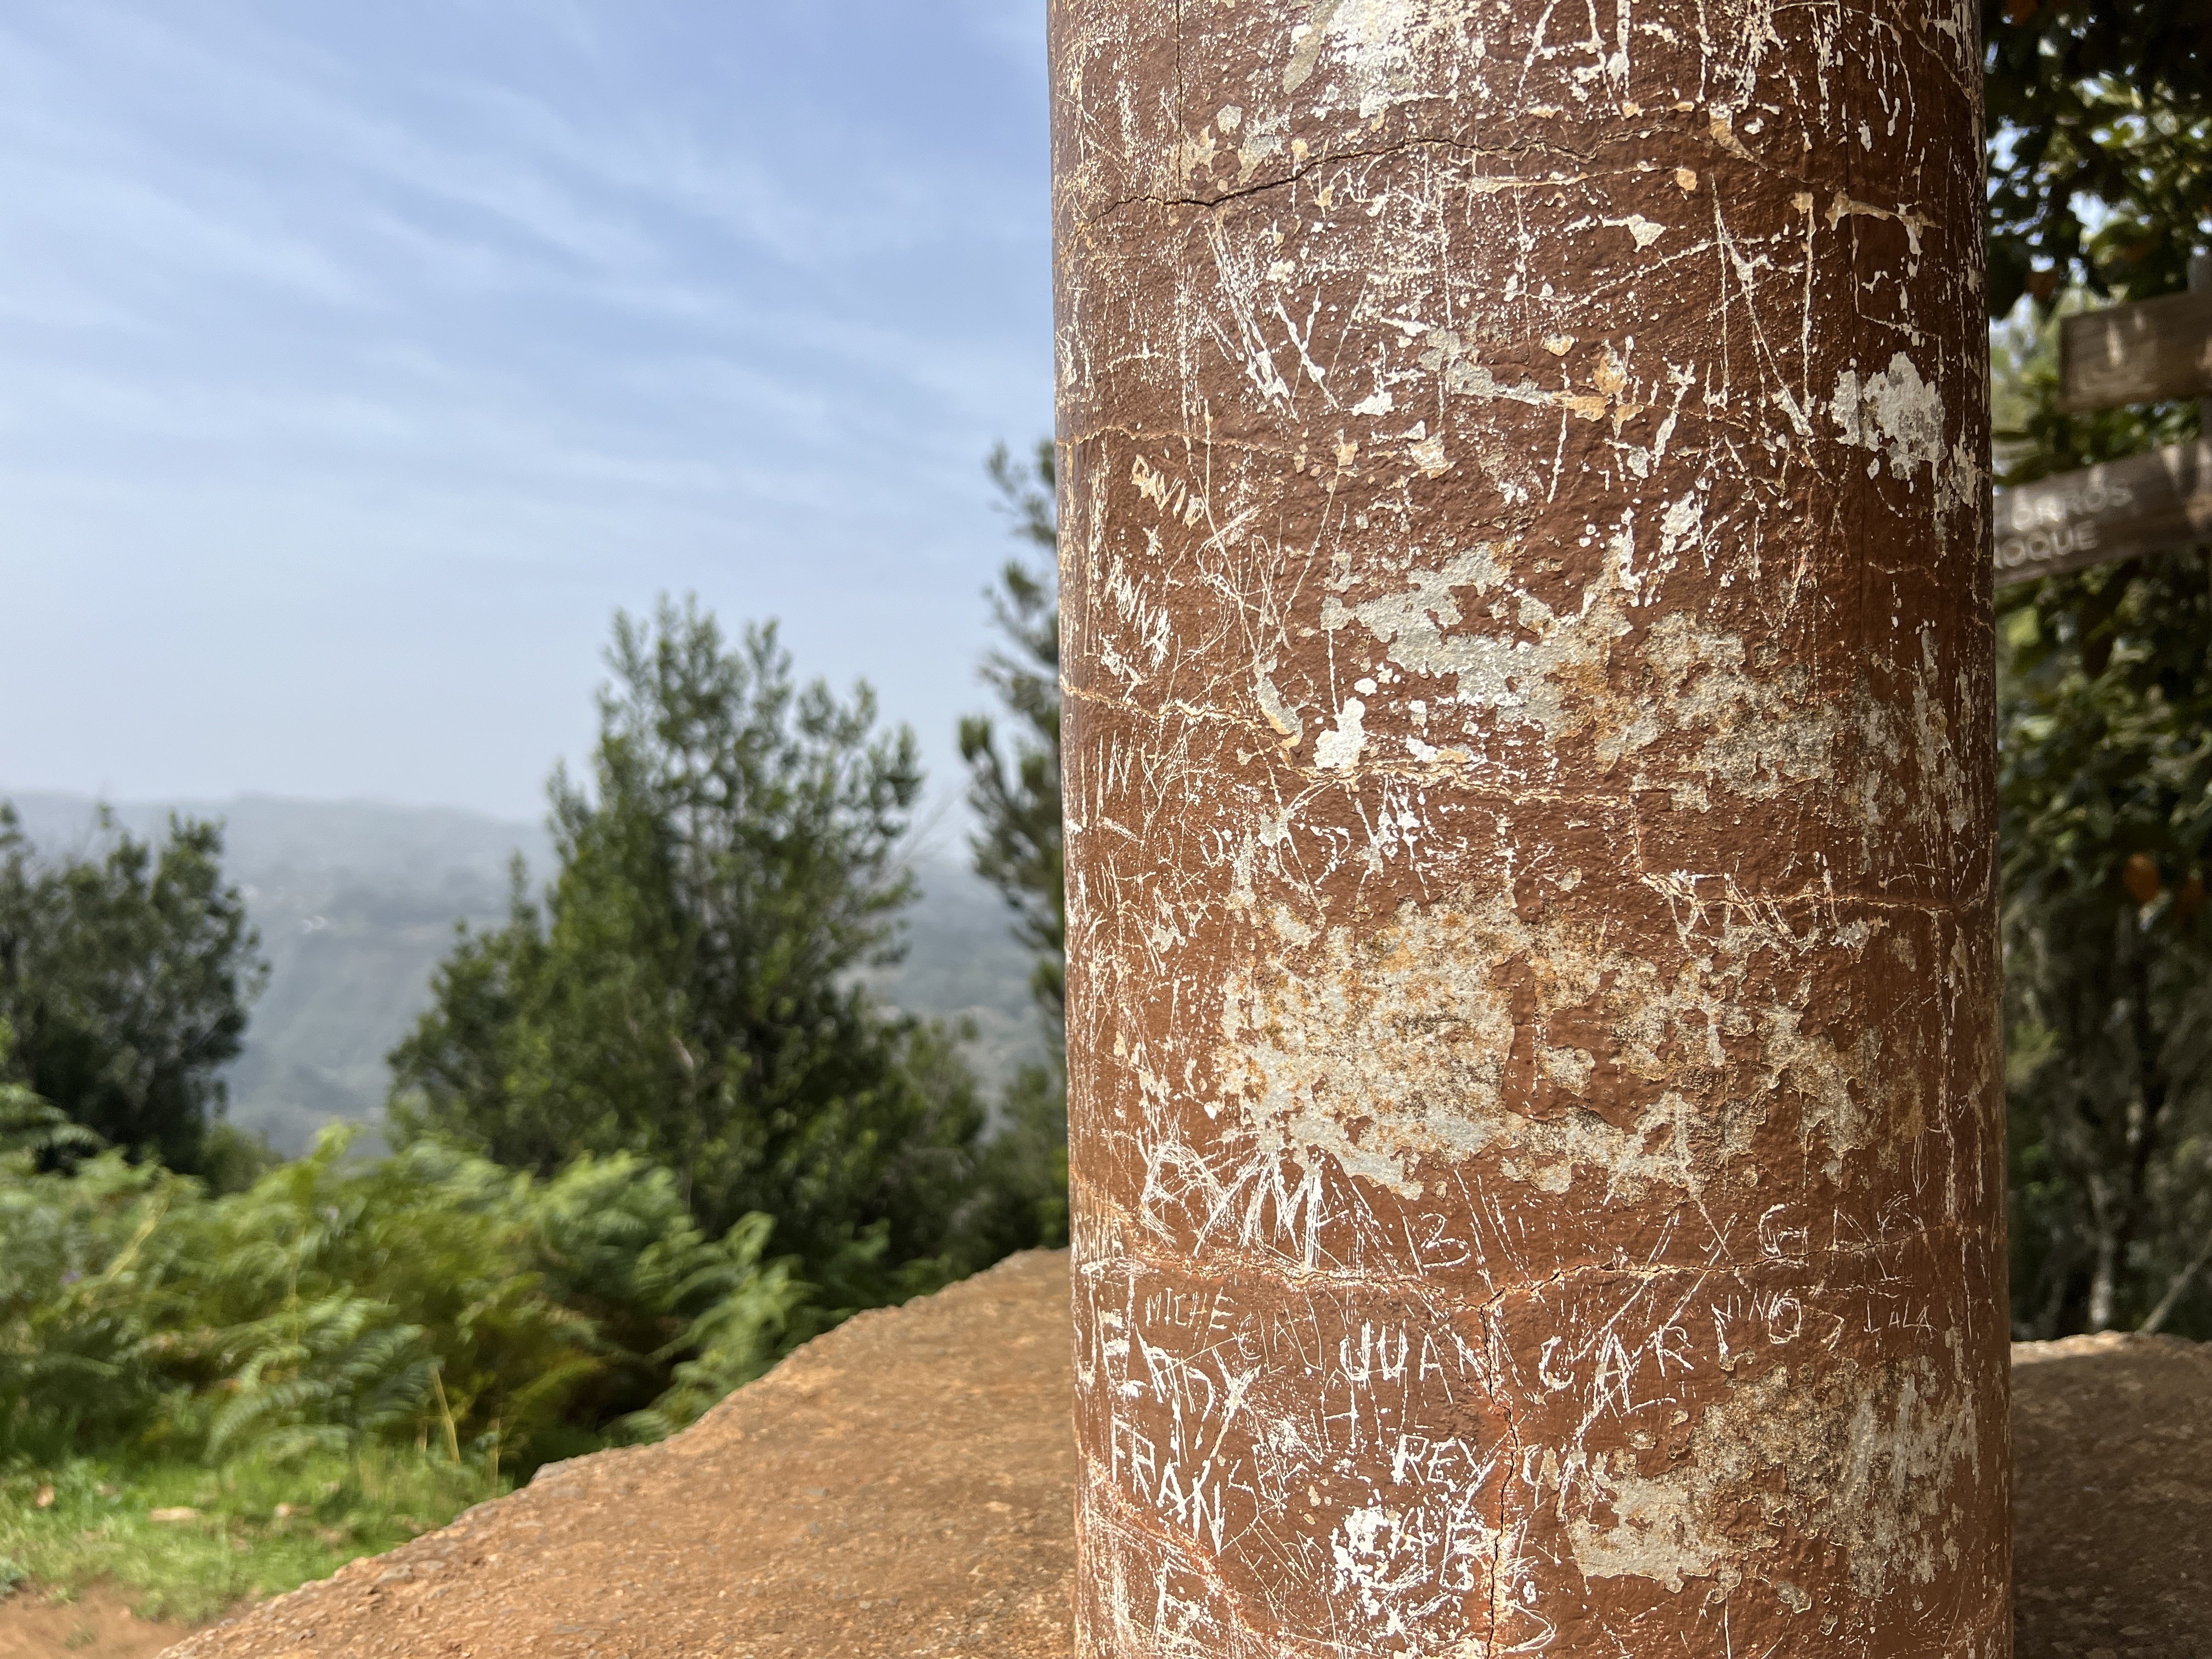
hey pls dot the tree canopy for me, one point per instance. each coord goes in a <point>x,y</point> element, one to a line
<point>2100,145</point>
<point>683,988</point>
<point>125,975</point>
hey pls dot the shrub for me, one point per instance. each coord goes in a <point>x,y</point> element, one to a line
<point>339,1305</point>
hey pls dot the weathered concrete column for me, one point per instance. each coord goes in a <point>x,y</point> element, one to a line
<point>1531,1019</point>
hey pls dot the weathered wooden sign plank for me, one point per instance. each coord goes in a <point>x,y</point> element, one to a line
<point>2143,504</point>
<point>2145,353</point>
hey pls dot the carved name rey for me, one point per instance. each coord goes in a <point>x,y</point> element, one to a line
<point>2143,504</point>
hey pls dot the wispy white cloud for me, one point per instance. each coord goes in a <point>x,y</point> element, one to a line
<point>629,295</point>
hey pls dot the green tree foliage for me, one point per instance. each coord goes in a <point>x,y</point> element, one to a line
<point>29,1124</point>
<point>2106,795</point>
<point>124,977</point>
<point>2106,801</point>
<point>1014,789</point>
<point>431,1299</point>
<point>2100,152</point>
<point>1014,785</point>
<point>684,989</point>
<point>2100,186</point>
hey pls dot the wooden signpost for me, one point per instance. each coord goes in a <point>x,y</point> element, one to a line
<point>2140,505</point>
<point>2135,354</point>
<point>2139,353</point>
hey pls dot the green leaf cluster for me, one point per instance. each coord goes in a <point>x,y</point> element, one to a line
<point>125,974</point>
<point>429,1300</point>
<point>2100,152</point>
<point>685,989</point>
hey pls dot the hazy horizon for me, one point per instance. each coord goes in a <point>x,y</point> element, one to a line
<point>355,903</point>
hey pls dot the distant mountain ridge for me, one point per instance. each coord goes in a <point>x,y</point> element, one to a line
<point>357,903</point>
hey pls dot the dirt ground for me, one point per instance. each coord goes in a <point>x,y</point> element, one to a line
<point>2112,1498</point>
<point>900,1488</point>
<point>97,1626</point>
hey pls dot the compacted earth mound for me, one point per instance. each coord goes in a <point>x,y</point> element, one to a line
<point>899,1486</point>
<point>98,1625</point>
<point>2111,1444</point>
<point>902,1487</point>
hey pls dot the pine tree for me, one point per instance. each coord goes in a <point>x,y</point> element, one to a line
<point>125,975</point>
<point>1014,789</point>
<point>684,989</point>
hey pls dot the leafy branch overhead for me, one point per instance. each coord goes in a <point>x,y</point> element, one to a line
<point>2100,145</point>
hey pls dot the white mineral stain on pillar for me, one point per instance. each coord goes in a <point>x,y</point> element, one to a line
<point>1338,749</point>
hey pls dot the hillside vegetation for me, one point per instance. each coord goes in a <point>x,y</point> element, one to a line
<point>355,903</point>
<point>378,1342</point>
<point>652,1120</point>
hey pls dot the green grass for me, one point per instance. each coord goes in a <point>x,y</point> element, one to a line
<point>257,1531</point>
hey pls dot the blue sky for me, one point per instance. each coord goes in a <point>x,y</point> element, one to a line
<point>361,359</point>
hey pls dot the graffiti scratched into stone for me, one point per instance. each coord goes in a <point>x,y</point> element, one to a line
<point>1536,1141</point>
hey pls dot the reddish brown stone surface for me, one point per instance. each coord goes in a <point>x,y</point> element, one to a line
<point>905,1486</point>
<point>1532,992</point>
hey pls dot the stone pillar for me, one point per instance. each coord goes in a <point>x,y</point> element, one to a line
<point>1534,1060</point>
